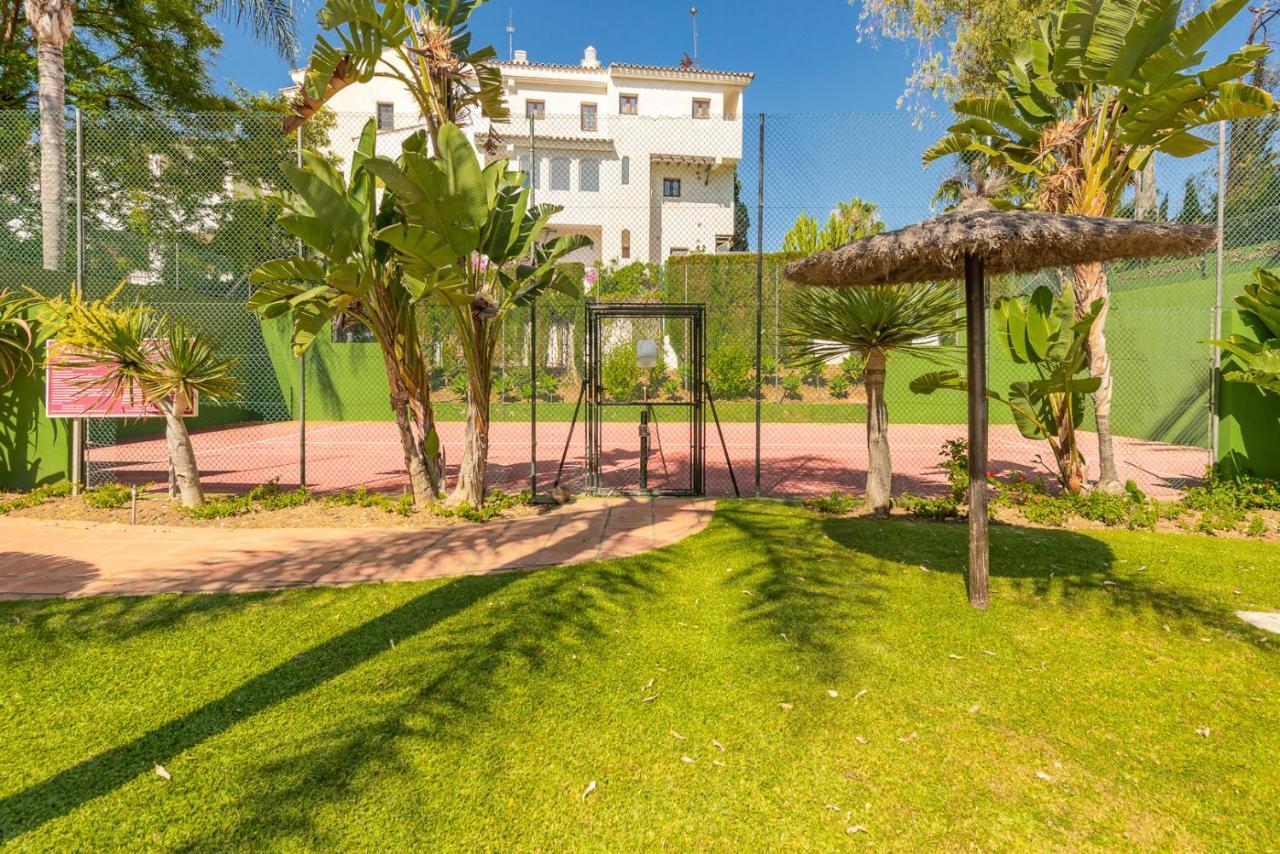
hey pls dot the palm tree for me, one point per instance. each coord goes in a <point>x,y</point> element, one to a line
<point>871,323</point>
<point>162,363</point>
<point>1085,107</point>
<point>52,23</point>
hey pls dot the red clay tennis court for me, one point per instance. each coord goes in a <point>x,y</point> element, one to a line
<point>796,459</point>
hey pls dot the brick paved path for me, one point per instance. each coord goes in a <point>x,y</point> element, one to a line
<point>42,558</point>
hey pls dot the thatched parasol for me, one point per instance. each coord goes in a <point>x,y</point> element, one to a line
<point>970,242</point>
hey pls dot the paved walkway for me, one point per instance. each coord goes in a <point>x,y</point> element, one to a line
<point>43,558</point>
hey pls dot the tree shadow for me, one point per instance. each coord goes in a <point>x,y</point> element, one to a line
<point>560,607</point>
<point>1061,566</point>
<point>440,694</point>
<point>801,590</point>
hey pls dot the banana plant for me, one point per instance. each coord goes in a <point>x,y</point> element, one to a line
<point>1258,358</point>
<point>425,45</point>
<point>1040,331</point>
<point>467,237</point>
<point>348,274</point>
<point>1086,104</point>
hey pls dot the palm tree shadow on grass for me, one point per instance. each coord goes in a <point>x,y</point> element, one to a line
<point>799,587</point>
<point>1045,563</point>
<point>563,606</point>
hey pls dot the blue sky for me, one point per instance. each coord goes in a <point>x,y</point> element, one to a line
<point>809,66</point>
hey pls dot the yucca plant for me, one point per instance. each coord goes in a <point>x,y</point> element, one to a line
<point>18,337</point>
<point>157,361</point>
<point>871,324</point>
<point>1258,357</point>
<point>1086,105</point>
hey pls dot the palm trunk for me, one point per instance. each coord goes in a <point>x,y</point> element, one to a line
<point>416,424</point>
<point>53,152</point>
<point>182,456</point>
<point>879,465</point>
<point>473,472</point>
<point>1091,284</point>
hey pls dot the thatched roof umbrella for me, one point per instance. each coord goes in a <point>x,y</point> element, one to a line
<point>973,241</point>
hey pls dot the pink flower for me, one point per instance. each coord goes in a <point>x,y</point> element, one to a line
<point>481,262</point>
<point>591,276</point>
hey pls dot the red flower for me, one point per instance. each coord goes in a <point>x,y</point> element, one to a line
<point>991,474</point>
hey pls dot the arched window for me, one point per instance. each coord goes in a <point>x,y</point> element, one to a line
<point>626,243</point>
<point>626,170</point>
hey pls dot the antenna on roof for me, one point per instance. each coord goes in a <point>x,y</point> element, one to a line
<point>511,36</point>
<point>693,15</point>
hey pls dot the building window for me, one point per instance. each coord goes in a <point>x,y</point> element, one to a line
<point>702,108</point>
<point>679,251</point>
<point>587,114</point>
<point>535,110</point>
<point>724,242</point>
<point>671,188</point>
<point>559,174</point>
<point>629,105</point>
<point>626,243</point>
<point>626,170</point>
<point>386,116</point>
<point>588,176</point>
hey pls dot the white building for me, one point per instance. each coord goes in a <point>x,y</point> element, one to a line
<point>641,157</point>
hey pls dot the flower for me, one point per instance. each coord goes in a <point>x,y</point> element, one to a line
<point>591,276</point>
<point>481,262</point>
<point>991,473</point>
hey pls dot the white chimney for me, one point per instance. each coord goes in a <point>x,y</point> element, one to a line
<point>521,57</point>
<point>589,59</point>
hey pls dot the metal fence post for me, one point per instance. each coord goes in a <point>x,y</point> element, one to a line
<point>759,296</point>
<point>1216,357</point>
<point>302,372</point>
<point>77,424</point>
<point>533,339</point>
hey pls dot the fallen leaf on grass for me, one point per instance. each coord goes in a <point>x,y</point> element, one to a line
<point>860,739</point>
<point>857,828</point>
<point>988,652</point>
<point>833,693</point>
<point>1044,776</point>
<point>687,759</point>
<point>924,568</point>
<point>647,685</point>
<point>591,787</point>
<point>651,697</point>
<point>1203,732</point>
<point>786,707</point>
<point>906,738</point>
<point>717,745</point>
<point>717,762</point>
<point>956,657</point>
<point>974,709</point>
<point>162,772</point>
<point>677,735</point>
<point>1109,584</point>
<point>833,807</point>
<point>861,693</point>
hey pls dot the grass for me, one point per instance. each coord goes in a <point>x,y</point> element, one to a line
<point>474,713</point>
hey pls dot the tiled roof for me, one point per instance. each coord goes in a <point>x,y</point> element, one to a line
<point>663,70</point>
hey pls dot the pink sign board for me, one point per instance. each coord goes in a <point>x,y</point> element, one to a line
<point>73,390</point>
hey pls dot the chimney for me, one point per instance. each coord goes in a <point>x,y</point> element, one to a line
<point>589,59</point>
<point>521,57</point>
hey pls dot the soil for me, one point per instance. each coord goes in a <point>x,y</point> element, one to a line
<point>156,509</point>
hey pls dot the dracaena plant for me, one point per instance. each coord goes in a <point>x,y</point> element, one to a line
<point>165,362</point>
<point>1042,332</point>
<point>1258,358</point>
<point>425,45</point>
<point>348,274</point>
<point>1086,104</point>
<point>18,337</point>
<point>467,237</point>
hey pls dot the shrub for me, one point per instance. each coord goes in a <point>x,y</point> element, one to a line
<point>791,387</point>
<point>839,386</point>
<point>1257,526</point>
<point>672,388</point>
<point>37,496</point>
<point>851,368</point>
<point>835,504</point>
<point>955,462</point>
<point>620,373</point>
<point>1242,492</point>
<point>928,508</point>
<point>548,388</point>
<point>730,370</point>
<point>108,496</point>
<point>495,503</point>
<point>814,375</point>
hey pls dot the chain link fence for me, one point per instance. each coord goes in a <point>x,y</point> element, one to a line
<point>694,210</point>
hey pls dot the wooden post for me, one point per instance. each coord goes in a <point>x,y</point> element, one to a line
<point>976,338</point>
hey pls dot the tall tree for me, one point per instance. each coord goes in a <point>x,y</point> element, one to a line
<point>849,221</point>
<point>1086,104</point>
<point>51,22</point>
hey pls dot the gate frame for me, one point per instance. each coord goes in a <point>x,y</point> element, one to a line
<point>695,313</point>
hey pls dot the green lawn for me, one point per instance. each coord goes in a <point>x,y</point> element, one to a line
<point>474,713</point>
